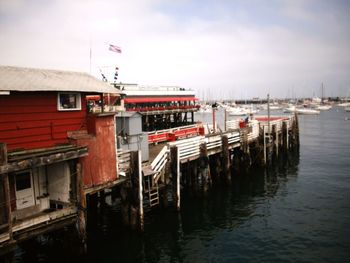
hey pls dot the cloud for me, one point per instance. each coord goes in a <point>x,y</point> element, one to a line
<point>235,50</point>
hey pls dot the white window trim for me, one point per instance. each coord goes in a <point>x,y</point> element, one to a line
<point>72,109</point>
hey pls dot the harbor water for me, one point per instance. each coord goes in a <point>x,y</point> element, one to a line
<point>296,211</point>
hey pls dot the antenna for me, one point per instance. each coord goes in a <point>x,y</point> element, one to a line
<point>103,76</point>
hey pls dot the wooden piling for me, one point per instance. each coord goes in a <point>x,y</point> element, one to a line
<point>136,199</point>
<point>6,185</point>
<point>204,168</point>
<point>226,158</point>
<point>125,203</point>
<point>141,215</point>
<point>81,204</point>
<point>175,161</point>
<point>284,136</point>
<point>265,144</point>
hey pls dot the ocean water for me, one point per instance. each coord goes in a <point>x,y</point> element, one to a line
<point>296,211</point>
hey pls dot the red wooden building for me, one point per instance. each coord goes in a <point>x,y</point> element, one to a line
<point>54,148</point>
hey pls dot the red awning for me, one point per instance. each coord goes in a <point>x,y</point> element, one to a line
<point>157,99</point>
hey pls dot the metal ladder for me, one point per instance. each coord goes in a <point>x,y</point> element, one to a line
<point>153,192</point>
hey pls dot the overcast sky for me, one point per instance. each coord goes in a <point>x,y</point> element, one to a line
<point>220,48</point>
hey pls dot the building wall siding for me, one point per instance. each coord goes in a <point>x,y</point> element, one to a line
<point>99,167</point>
<point>31,120</point>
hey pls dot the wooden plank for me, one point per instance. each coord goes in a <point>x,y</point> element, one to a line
<point>16,109</point>
<point>5,118</point>
<point>25,133</point>
<point>51,216</point>
<point>27,100</point>
<point>38,144</point>
<point>39,124</point>
<point>44,160</point>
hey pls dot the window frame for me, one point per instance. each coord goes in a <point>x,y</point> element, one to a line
<point>19,173</point>
<point>78,100</point>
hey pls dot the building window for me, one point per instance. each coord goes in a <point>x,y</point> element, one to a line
<point>69,101</point>
<point>23,181</point>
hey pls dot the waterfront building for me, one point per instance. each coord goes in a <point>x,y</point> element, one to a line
<point>57,144</point>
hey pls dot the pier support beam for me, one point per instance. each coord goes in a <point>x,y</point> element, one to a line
<point>139,173</point>
<point>175,165</point>
<point>204,168</point>
<point>81,204</point>
<point>225,158</point>
<point>136,204</point>
<point>6,189</point>
<point>284,136</point>
<point>125,203</point>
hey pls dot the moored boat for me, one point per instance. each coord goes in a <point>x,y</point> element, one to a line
<point>306,111</point>
<point>323,107</point>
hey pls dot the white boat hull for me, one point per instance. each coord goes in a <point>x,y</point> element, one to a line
<point>307,111</point>
<point>324,107</point>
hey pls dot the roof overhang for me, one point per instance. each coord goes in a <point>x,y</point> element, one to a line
<point>31,79</point>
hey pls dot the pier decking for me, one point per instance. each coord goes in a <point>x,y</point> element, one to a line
<point>201,160</point>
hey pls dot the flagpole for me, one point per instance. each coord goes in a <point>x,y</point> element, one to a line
<point>90,55</point>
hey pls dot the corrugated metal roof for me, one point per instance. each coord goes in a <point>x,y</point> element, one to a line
<point>31,79</point>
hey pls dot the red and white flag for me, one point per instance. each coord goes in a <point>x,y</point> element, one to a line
<point>115,48</point>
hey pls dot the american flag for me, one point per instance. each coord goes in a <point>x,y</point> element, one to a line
<point>115,48</point>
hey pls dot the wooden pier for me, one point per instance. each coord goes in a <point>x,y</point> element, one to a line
<point>200,161</point>
<point>59,158</point>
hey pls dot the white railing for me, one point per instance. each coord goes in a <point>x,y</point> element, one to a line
<point>279,122</point>
<point>188,148</point>
<point>233,124</point>
<point>123,161</point>
<point>173,129</point>
<point>233,137</point>
<point>255,129</point>
<point>159,163</point>
<point>213,142</point>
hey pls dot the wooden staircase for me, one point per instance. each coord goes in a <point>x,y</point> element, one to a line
<point>151,175</point>
<point>151,188</point>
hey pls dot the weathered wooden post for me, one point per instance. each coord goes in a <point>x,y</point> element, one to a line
<point>139,171</point>
<point>226,157</point>
<point>102,197</point>
<point>274,140</point>
<point>265,143</point>
<point>136,200</point>
<point>297,129</point>
<point>6,185</point>
<point>284,136</point>
<point>268,115</point>
<point>125,205</point>
<point>204,168</point>
<point>175,163</point>
<point>225,119</point>
<point>81,204</point>
<point>214,120</point>
<point>194,174</point>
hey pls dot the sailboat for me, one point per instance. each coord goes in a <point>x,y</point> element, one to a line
<point>298,110</point>
<point>323,106</point>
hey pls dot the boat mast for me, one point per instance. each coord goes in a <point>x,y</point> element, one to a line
<point>322,92</point>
